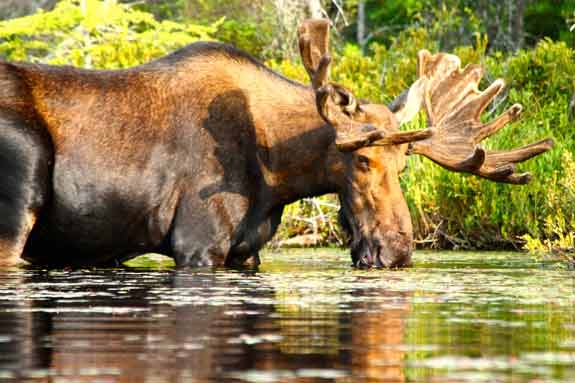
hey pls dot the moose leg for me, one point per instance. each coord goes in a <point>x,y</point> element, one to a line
<point>12,241</point>
<point>246,253</point>
<point>25,158</point>
<point>243,256</point>
<point>202,232</point>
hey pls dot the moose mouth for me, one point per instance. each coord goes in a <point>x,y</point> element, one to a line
<point>388,250</point>
<point>393,251</point>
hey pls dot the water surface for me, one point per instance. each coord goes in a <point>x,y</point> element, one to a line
<point>304,316</point>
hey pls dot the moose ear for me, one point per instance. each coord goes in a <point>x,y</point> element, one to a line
<point>406,106</point>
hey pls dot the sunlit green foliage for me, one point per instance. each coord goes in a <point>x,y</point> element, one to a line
<point>505,22</point>
<point>314,219</point>
<point>251,26</point>
<point>559,225</point>
<point>247,36</point>
<point>95,33</point>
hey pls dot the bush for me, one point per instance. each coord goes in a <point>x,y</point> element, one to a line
<point>245,35</point>
<point>95,34</point>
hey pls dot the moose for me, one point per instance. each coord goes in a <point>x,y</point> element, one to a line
<point>194,155</point>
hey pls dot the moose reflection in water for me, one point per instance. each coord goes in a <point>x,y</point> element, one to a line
<point>115,327</point>
<point>303,318</point>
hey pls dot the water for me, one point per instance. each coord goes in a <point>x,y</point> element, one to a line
<point>305,316</point>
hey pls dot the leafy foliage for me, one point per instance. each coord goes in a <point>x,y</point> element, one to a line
<point>559,225</point>
<point>454,22</point>
<point>95,34</point>
<point>247,36</point>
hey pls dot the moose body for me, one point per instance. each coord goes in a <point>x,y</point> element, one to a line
<point>193,155</point>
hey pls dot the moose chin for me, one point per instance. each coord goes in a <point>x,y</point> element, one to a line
<point>195,155</point>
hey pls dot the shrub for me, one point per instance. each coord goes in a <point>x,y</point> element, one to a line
<point>95,34</point>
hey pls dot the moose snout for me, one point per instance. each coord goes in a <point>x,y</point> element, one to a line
<point>387,251</point>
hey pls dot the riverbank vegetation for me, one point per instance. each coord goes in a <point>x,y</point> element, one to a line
<point>527,43</point>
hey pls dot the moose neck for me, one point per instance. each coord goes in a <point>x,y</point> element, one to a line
<point>289,145</point>
<point>295,146</point>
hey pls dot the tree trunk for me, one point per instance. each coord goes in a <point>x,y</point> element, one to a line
<point>315,9</point>
<point>361,27</point>
<point>518,34</point>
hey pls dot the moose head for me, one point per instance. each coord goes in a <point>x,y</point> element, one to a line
<point>374,150</point>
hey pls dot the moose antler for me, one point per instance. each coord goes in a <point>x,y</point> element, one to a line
<point>337,105</point>
<point>454,104</point>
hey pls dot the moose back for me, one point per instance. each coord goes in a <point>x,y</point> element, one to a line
<point>195,155</point>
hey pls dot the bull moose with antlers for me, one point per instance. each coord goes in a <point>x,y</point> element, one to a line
<point>196,154</point>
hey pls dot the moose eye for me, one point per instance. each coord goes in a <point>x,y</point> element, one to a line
<point>363,162</point>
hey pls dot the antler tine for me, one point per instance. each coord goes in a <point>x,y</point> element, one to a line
<point>428,64</point>
<point>314,50</point>
<point>510,115</point>
<point>519,155</point>
<point>454,105</point>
